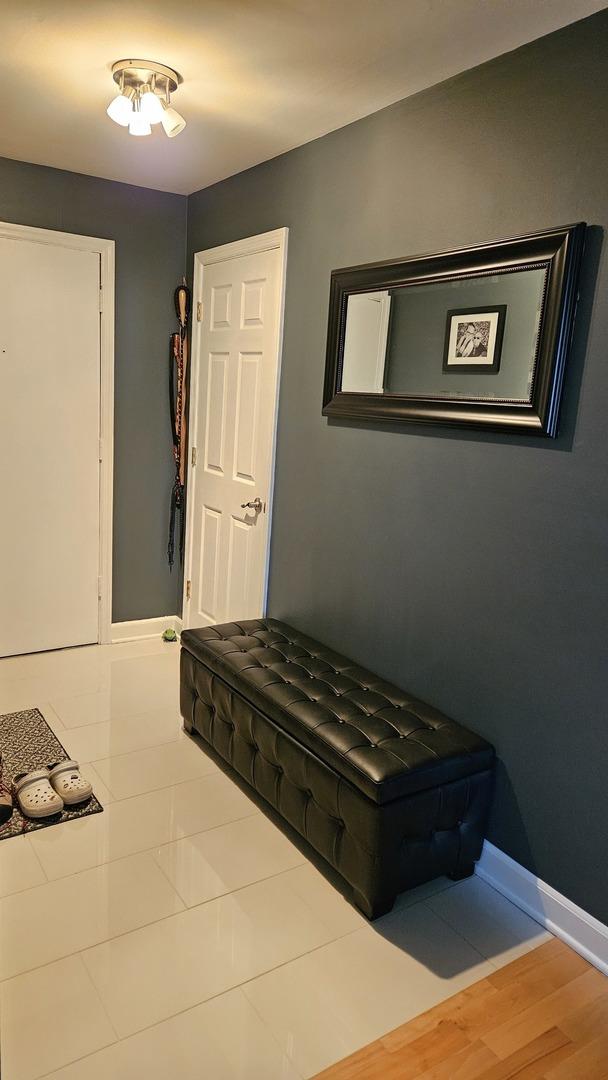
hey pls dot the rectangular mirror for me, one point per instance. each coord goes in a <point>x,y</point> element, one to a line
<point>471,337</point>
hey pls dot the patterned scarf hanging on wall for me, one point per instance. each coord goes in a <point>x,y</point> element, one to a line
<point>178,369</point>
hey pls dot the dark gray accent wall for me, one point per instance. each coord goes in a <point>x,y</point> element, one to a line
<point>469,568</point>
<point>149,228</point>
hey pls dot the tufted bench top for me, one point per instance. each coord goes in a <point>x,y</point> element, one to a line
<point>386,742</point>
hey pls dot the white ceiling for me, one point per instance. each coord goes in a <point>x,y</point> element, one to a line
<point>260,76</point>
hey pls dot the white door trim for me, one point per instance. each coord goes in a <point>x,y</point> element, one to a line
<point>250,245</point>
<point>105,249</point>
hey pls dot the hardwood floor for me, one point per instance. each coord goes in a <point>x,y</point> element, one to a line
<point>543,1017</point>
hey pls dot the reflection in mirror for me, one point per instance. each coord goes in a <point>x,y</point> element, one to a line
<point>471,338</point>
<point>365,342</point>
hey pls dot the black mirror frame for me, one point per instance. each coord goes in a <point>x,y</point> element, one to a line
<point>557,250</point>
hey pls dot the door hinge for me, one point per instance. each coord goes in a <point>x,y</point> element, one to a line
<point>194,455</point>
<point>100,299</point>
<point>199,311</point>
<point>99,589</point>
<point>101,449</point>
<point>188,590</point>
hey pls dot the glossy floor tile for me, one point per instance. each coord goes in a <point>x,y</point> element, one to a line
<point>122,735</point>
<point>19,867</point>
<point>141,823</point>
<point>324,1006</point>
<point>181,933</point>
<point>314,890</point>
<point>50,1017</point>
<point>223,1039</point>
<point>62,917</point>
<point>162,969</point>
<point>212,863</point>
<point>157,767</point>
<point>498,930</point>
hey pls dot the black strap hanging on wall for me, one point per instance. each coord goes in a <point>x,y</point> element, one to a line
<point>178,369</point>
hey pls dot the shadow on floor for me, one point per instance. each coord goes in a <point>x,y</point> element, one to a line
<point>418,931</point>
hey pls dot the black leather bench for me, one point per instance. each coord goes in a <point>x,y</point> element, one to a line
<point>387,789</point>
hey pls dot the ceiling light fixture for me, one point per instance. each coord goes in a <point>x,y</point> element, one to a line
<point>172,121</point>
<point>144,97</point>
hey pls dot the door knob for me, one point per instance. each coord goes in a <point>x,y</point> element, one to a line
<point>256,505</point>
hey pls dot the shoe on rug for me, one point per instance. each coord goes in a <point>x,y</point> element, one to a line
<point>6,809</point>
<point>6,802</point>
<point>35,796</point>
<point>66,780</point>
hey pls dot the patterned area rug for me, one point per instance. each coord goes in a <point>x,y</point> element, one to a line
<point>27,742</point>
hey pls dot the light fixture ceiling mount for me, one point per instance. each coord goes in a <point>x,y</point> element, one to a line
<point>144,97</point>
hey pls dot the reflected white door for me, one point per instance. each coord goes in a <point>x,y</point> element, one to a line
<point>367,325</point>
<point>49,446</point>
<point>235,369</point>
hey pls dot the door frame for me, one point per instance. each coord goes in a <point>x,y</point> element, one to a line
<point>250,245</point>
<point>106,250</point>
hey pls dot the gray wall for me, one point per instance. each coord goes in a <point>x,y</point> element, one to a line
<point>149,228</point>
<point>470,568</point>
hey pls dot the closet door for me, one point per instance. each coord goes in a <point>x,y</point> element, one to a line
<point>49,446</point>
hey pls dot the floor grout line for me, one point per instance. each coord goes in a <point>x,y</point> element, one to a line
<point>241,985</point>
<point>229,892</point>
<point>130,854</point>
<point>138,750</point>
<point>100,1000</point>
<point>268,1028</point>
<point>114,719</point>
<point>153,922</point>
<point>37,858</point>
<point>180,1012</point>
<point>151,791</point>
<point>461,934</point>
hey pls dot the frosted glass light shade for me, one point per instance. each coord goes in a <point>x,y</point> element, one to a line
<point>120,110</point>
<point>151,107</point>
<point>172,121</point>
<point>138,125</point>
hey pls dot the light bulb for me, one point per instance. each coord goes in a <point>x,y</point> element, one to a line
<point>151,107</point>
<point>172,121</point>
<point>138,125</point>
<point>120,109</point>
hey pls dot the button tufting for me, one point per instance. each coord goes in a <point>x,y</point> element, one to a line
<point>313,710</point>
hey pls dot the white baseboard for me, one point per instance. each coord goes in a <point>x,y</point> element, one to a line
<point>145,628</point>
<point>587,935</point>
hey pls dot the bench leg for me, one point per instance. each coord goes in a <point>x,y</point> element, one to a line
<point>188,728</point>
<point>373,909</point>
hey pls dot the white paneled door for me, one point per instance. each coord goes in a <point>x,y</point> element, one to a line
<point>49,445</point>
<point>236,355</point>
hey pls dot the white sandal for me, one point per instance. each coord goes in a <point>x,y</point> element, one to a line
<point>68,783</point>
<point>35,796</point>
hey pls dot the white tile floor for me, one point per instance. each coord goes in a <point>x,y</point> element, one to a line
<point>180,933</point>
